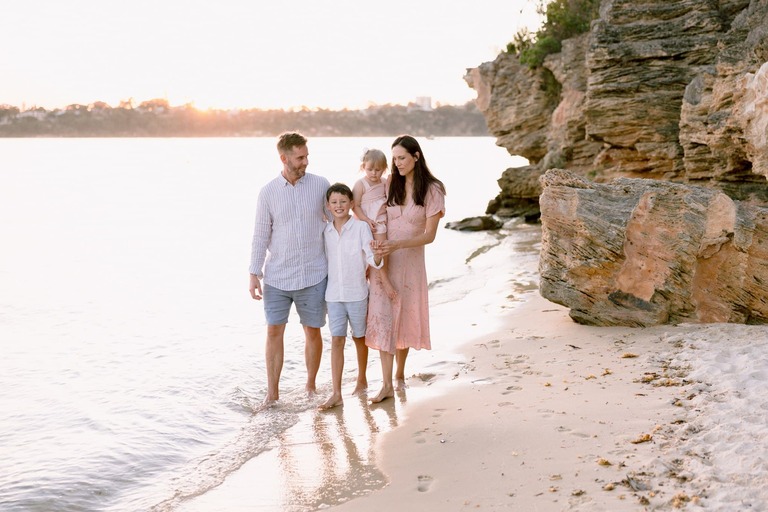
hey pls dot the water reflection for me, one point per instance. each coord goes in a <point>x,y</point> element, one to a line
<point>326,458</point>
<point>338,461</point>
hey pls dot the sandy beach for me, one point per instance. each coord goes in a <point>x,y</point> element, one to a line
<point>543,414</point>
<point>551,416</point>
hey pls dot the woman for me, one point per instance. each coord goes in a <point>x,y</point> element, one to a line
<point>415,204</point>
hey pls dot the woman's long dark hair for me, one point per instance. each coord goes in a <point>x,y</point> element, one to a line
<point>422,177</point>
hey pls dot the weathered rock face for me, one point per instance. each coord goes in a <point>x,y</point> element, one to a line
<point>522,198</point>
<point>642,56</point>
<point>644,252</point>
<point>515,104</point>
<point>664,89</point>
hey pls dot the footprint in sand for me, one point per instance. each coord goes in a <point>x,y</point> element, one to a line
<point>510,389</point>
<point>572,432</point>
<point>425,481</point>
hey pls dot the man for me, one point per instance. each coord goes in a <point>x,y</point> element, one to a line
<point>288,245</point>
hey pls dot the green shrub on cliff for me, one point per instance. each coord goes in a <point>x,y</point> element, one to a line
<point>563,19</point>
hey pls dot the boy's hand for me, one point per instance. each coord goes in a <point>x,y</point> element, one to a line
<point>384,247</point>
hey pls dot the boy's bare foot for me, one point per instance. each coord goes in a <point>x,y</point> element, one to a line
<point>386,392</point>
<point>332,402</point>
<point>361,388</point>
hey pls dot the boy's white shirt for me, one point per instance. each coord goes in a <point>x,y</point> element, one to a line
<point>349,253</point>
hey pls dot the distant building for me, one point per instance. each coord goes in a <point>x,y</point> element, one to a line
<point>38,113</point>
<point>424,103</point>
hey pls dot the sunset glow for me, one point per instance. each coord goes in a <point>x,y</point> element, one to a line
<point>244,54</point>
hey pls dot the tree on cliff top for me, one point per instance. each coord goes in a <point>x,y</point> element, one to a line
<point>563,19</point>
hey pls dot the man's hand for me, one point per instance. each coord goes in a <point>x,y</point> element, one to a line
<point>255,287</point>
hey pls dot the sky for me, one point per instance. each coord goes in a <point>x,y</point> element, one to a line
<point>250,53</point>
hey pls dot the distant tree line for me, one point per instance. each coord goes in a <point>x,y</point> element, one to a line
<point>156,118</point>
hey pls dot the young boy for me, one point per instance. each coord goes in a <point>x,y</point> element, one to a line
<point>348,248</point>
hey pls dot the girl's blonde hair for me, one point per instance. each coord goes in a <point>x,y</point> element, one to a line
<point>376,157</point>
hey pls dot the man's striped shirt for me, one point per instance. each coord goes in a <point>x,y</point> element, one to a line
<point>288,233</point>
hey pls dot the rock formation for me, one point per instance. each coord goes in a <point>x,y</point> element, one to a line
<point>666,100</point>
<point>672,90</point>
<point>644,252</point>
<point>481,223</point>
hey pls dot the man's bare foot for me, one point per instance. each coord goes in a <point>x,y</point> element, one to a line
<point>400,384</point>
<point>361,388</point>
<point>386,392</point>
<point>332,402</point>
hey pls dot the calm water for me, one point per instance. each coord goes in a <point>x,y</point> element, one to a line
<point>132,354</point>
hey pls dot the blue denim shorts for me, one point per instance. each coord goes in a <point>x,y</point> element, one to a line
<point>339,313</point>
<point>310,304</point>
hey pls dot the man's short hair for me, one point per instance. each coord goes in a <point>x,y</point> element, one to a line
<point>289,140</point>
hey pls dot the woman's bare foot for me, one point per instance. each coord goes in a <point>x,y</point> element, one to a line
<point>400,384</point>
<point>386,392</point>
<point>332,402</point>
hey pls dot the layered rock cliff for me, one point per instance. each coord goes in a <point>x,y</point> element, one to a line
<point>664,89</point>
<point>659,114</point>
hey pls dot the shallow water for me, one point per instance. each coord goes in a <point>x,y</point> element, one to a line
<point>132,353</point>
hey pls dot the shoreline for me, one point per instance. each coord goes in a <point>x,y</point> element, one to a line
<point>541,414</point>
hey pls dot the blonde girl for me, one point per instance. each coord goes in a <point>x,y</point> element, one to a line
<point>370,197</point>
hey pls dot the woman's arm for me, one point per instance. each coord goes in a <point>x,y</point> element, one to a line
<point>430,231</point>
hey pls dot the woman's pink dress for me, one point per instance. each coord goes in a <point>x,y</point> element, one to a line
<point>404,322</point>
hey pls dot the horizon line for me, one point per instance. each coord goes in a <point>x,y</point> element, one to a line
<point>130,103</point>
